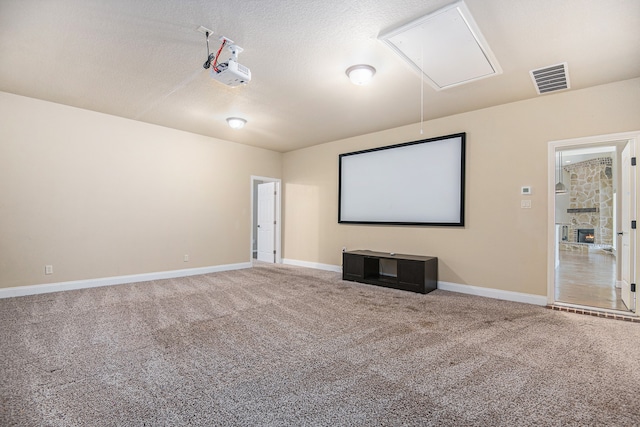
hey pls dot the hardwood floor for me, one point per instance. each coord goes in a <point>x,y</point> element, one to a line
<point>588,279</point>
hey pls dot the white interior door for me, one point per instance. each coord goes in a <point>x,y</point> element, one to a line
<point>266,221</point>
<point>627,241</point>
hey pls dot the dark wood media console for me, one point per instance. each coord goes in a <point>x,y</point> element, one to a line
<point>407,272</point>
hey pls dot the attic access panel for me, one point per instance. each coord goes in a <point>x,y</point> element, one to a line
<point>446,46</point>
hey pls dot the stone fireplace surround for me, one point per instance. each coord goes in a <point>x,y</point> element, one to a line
<point>591,204</point>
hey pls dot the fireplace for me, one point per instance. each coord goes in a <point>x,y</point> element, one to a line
<point>585,235</point>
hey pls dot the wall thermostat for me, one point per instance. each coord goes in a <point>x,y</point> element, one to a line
<point>525,190</point>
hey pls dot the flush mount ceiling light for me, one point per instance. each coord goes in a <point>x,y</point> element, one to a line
<point>446,47</point>
<point>236,122</point>
<point>360,74</point>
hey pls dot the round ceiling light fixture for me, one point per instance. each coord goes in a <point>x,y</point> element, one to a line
<point>360,74</point>
<point>236,122</point>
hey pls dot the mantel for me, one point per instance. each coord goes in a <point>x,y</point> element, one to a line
<point>583,210</point>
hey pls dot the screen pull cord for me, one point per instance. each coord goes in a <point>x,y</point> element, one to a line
<point>422,84</point>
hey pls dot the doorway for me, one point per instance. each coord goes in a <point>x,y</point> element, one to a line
<point>591,250</point>
<point>265,244</point>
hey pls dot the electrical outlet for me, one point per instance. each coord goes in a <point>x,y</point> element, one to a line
<point>525,204</point>
<point>48,269</point>
<point>186,258</point>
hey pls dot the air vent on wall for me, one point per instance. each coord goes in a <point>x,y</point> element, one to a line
<point>551,79</point>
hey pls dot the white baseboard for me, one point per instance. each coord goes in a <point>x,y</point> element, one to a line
<point>117,280</point>
<point>494,293</point>
<point>446,286</point>
<point>316,265</point>
<point>145,277</point>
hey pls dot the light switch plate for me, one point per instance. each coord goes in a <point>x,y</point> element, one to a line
<point>525,204</point>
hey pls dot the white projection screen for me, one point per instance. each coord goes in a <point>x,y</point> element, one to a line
<point>415,183</point>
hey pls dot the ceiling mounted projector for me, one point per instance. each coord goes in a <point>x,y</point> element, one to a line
<point>230,73</point>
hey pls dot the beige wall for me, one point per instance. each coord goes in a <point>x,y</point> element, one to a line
<point>502,246</point>
<point>101,196</point>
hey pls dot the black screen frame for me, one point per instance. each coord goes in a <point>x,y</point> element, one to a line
<point>460,222</point>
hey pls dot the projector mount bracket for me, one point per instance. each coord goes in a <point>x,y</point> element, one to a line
<point>212,59</point>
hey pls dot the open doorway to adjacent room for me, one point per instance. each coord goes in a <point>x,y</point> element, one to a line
<point>592,203</point>
<point>265,220</point>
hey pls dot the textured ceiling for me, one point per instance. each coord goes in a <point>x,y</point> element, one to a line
<point>143,60</point>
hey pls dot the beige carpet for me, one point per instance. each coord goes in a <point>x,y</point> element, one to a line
<point>281,346</point>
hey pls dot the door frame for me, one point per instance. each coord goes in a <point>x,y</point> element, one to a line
<point>632,138</point>
<point>255,180</point>
<point>630,213</point>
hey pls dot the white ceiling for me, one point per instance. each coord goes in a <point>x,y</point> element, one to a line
<point>143,60</point>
